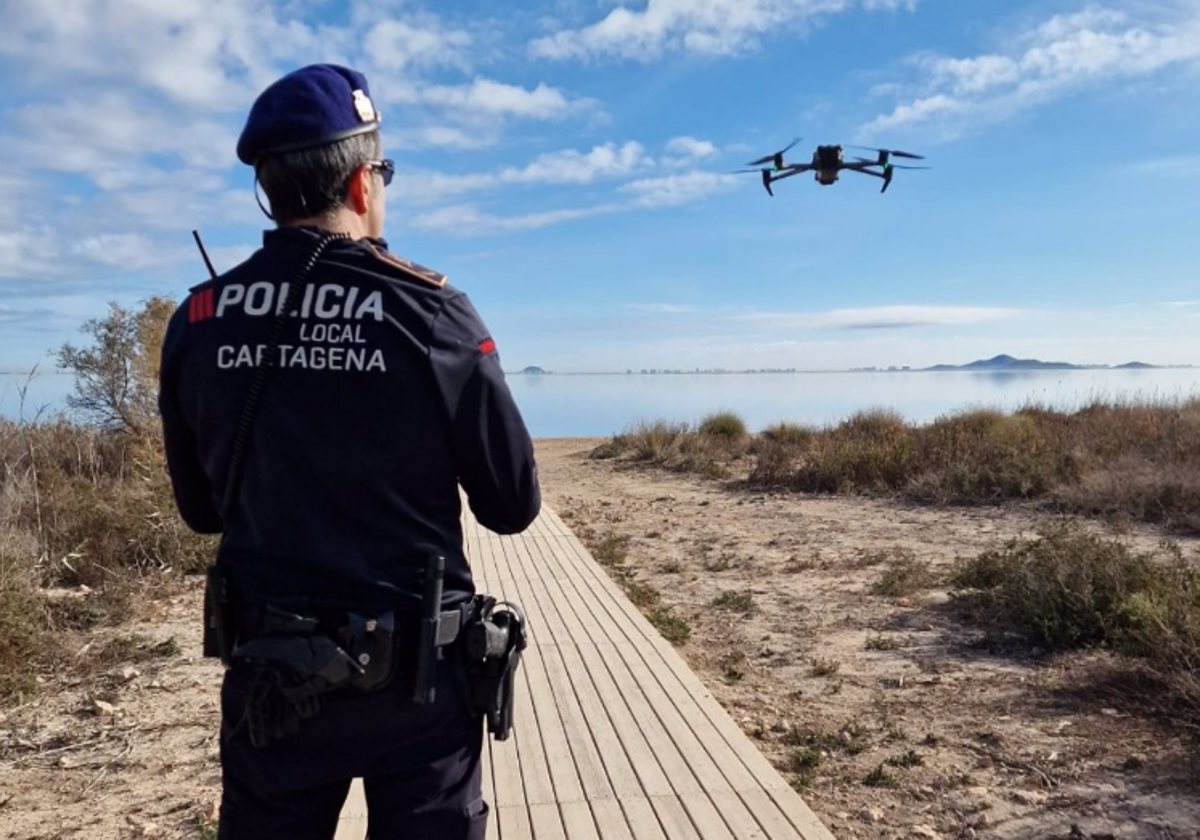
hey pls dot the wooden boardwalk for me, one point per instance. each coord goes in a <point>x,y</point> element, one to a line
<point>614,736</point>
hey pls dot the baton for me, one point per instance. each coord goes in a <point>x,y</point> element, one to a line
<point>425,686</point>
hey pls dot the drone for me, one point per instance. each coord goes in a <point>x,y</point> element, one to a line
<point>828,161</point>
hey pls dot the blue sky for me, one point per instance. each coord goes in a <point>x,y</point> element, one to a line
<point>568,164</point>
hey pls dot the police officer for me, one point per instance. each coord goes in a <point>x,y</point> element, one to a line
<point>359,391</point>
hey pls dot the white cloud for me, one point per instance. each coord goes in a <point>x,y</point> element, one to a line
<point>131,251</point>
<point>572,167</point>
<point>879,317</point>
<point>107,137</point>
<point>27,252</point>
<point>467,220</point>
<point>437,136</point>
<point>485,97</point>
<point>393,45</point>
<point>1062,55</point>
<point>686,150</point>
<point>195,52</point>
<point>567,166</point>
<point>673,190</point>
<point>706,27</point>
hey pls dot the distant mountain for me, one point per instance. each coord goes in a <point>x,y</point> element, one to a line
<point>1005,362</point>
<point>533,370</point>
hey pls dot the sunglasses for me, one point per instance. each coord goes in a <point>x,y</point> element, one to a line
<point>386,168</point>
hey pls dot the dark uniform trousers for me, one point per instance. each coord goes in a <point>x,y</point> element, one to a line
<point>420,766</point>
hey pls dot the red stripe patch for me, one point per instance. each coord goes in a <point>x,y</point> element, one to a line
<point>200,306</point>
<point>487,346</point>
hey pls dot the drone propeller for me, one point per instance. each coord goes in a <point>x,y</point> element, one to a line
<point>884,154</point>
<point>766,177</point>
<point>776,159</point>
<point>889,171</point>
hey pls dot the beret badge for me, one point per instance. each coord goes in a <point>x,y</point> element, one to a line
<point>362,104</point>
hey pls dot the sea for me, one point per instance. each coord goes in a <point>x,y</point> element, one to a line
<point>602,404</point>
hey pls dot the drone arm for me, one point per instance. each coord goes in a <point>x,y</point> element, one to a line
<point>862,168</point>
<point>792,170</point>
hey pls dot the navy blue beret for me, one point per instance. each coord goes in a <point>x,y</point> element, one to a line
<point>312,106</point>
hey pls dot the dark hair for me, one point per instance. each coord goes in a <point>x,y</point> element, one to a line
<point>312,182</point>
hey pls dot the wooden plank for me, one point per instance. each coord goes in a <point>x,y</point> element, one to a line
<point>643,822</point>
<point>705,816</point>
<point>547,719</point>
<point>538,788</point>
<point>770,816</point>
<point>616,764</point>
<point>744,820</point>
<point>658,763</point>
<point>661,717</point>
<point>675,709</point>
<point>610,819</point>
<point>591,777</point>
<point>513,823</point>
<point>508,790</point>
<point>699,700</point>
<point>578,820</point>
<point>673,817</point>
<point>546,821</point>
<point>488,773</point>
<point>803,821</point>
<point>594,659</point>
<point>352,823</point>
<point>588,764</point>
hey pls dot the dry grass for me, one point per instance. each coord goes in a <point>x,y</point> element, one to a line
<point>86,509</point>
<point>1132,461</point>
<point>708,450</point>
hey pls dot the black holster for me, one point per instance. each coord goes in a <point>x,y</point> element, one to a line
<point>293,664</point>
<point>492,643</point>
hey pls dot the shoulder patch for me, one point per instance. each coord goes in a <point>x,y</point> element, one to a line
<point>199,287</point>
<point>408,268</point>
<point>200,303</point>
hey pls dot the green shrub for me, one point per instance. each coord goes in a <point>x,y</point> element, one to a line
<point>673,628</point>
<point>906,575</point>
<point>724,424</point>
<point>739,602</point>
<point>881,778</point>
<point>804,762</point>
<point>21,623</point>
<point>1069,588</point>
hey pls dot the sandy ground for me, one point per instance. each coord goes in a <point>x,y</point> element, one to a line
<point>801,652</point>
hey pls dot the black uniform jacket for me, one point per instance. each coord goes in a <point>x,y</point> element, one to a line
<point>388,393</point>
